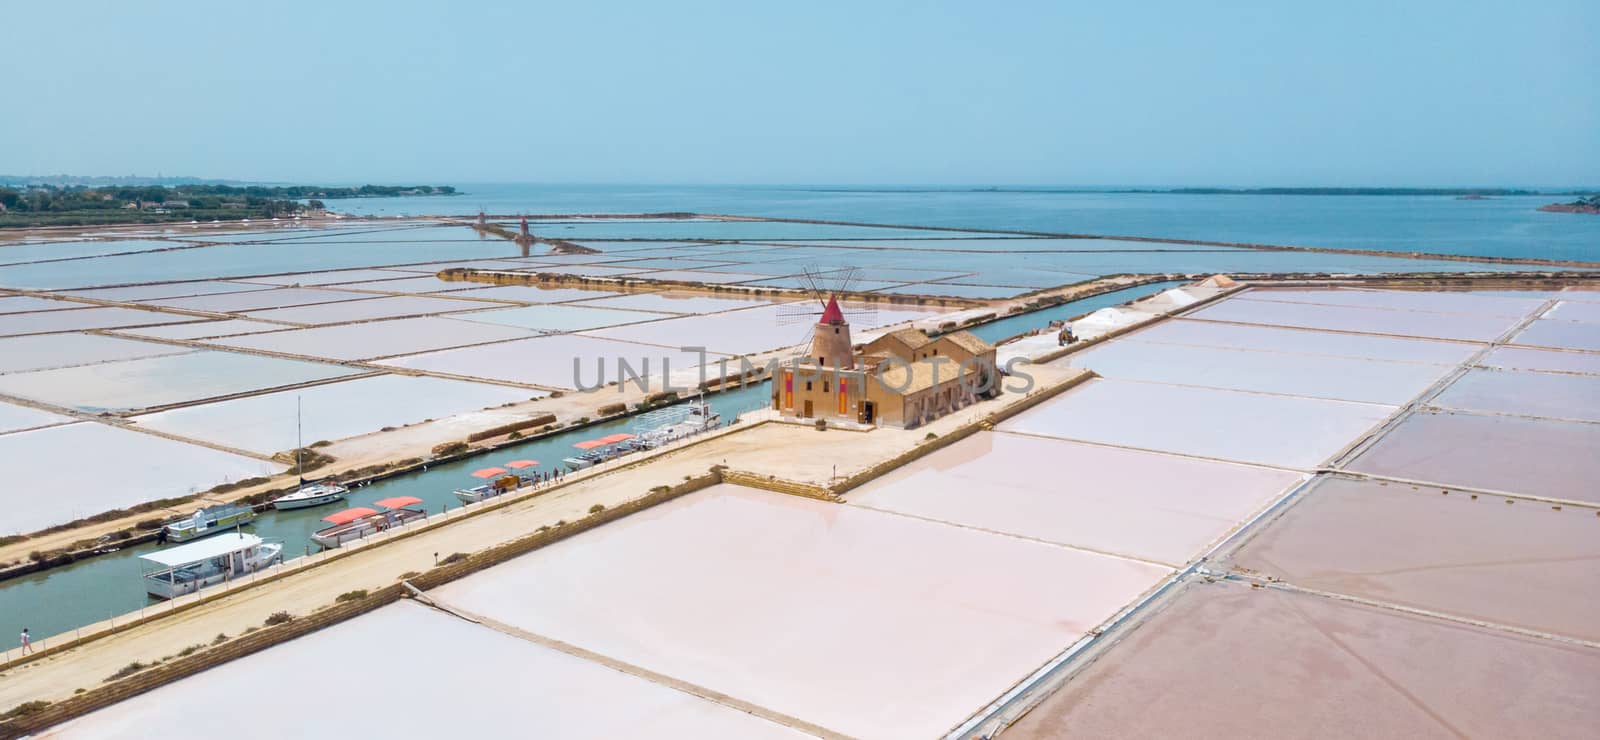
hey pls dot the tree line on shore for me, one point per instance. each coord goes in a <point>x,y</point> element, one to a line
<point>50,205</point>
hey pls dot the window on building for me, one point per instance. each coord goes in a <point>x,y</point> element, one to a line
<point>820,361</point>
<point>824,386</point>
<point>808,385</point>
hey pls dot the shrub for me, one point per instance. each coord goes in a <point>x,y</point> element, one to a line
<point>612,408</point>
<point>355,595</point>
<point>454,557</point>
<point>36,556</point>
<point>930,435</point>
<point>387,429</point>
<point>188,651</point>
<point>147,524</point>
<point>279,618</point>
<point>127,670</point>
<point>321,443</point>
<point>121,534</point>
<point>449,448</point>
<point>514,435</point>
<point>26,708</point>
<point>822,425</point>
<point>597,508</point>
<point>220,638</point>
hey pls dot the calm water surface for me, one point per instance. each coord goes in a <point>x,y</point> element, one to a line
<point>1497,227</point>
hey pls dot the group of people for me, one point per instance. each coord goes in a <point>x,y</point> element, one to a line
<point>546,476</point>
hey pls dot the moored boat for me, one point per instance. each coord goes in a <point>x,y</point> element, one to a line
<point>605,448</point>
<point>678,422</point>
<point>208,521</point>
<point>316,494</point>
<point>188,568</point>
<point>305,497</point>
<point>361,521</point>
<point>501,481</point>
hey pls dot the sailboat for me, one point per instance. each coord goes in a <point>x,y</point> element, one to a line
<point>307,496</point>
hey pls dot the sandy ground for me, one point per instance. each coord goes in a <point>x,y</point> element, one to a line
<point>766,449</point>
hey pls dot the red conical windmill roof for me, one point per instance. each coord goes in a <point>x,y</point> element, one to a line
<point>832,314</point>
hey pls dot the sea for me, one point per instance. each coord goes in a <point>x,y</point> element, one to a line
<point>1500,226</point>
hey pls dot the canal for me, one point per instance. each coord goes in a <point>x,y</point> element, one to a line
<point>62,599</point>
<point>1011,326</point>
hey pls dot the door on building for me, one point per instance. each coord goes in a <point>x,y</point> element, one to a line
<point>868,411</point>
<point>807,413</point>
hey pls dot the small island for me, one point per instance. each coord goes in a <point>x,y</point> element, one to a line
<point>1590,205</point>
<point>41,204</point>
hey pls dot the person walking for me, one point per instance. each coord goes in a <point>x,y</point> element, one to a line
<point>27,641</point>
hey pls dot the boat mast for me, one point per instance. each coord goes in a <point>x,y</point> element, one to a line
<point>299,445</point>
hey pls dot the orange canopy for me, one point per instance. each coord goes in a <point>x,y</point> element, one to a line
<point>348,515</point>
<point>615,438</point>
<point>488,472</point>
<point>396,502</point>
<point>590,444</point>
<point>520,464</point>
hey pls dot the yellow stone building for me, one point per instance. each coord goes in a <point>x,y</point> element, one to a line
<point>902,379</point>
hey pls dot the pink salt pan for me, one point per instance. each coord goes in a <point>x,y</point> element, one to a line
<point>867,623</point>
<point>1129,502</point>
<point>1524,565</point>
<point>1228,662</point>
<point>1528,456</point>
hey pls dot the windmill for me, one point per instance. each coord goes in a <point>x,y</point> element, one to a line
<point>825,287</point>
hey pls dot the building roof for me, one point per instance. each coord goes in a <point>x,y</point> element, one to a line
<point>832,314</point>
<point>214,546</point>
<point>911,338</point>
<point>894,377</point>
<point>969,342</point>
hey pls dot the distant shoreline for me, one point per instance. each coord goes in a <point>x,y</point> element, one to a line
<point>1478,192</point>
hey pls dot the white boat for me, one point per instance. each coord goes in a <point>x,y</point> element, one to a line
<point>599,450</point>
<point>654,429</point>
<point>208,521</point>
<point>316,494</point>
<point>188,568</point>
<point>514,475</point>
<point>306,496</point>
<point>677,422</point>
<point>356,523</point>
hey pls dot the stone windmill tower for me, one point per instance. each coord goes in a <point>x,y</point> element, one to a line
<point>830,344</point>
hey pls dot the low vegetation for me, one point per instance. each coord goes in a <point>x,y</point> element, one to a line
<point>597,508</point>
<point>277,618</point>
<point>454,557</point>
<point>127,670</point>
<point>25,709</point>
<point>355,595</point>
<point>450,448</point>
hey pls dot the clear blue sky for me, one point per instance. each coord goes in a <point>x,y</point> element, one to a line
<point>1233,93</point>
